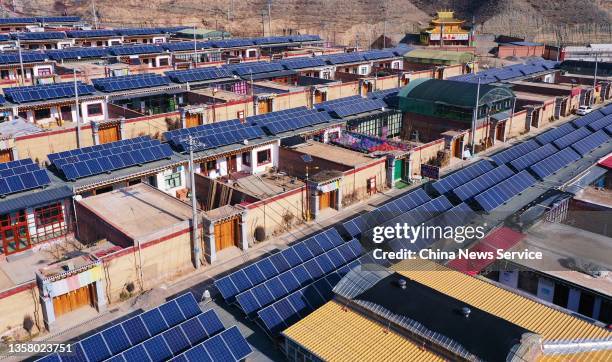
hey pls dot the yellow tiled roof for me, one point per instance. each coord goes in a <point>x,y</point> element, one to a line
<point>550,323</point>
<point>334,334</point>
<point>598,356</point>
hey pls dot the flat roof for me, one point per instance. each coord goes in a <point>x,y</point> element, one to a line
<point>332,153</point>
<point>568,87</point>
<point>533,96</point>
<point>594,195</point>
<point>564,246</point>
<point>219,94</point>
<point>266,185</point>
<point>138,210</point>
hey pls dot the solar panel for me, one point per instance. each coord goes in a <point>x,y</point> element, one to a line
<point>43,35</point>
<point>59,19</point>
<point>514,152</point>
<point>345,58</point>
<point>250,68</point>
<point>378,54</point>
<point>135,49</point>
<point>77,53</point>
<point>555,133</point>
<point>482,182</point>
<point>532,157</point>
<point>504,191</point>
<point>186,46</point>
<point>235,283</point>
<point>606,110</point>
<point>571,138</point>
<point>591,117</point>
<point>90,161</point>
<point>600,123</point>
<point>45,92</point>
<point>462,176</point>
<point>138,31</point>
<point>23,20</point>
<point>127,82</point>
<point>99,33</point>
<point>554,162</point>
<point>198,75</point>
<point>21,175</point>
<point>232,43</point>
<point>302,63</point>
<point>591,142</point>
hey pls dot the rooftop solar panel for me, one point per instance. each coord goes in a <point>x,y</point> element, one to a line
<point>345,58</point>
<point>532,157</point>
<point>232,43</point>
<point>26,57</point>
<point>600,123</point>
<point>302,63</point>
<point>135,49</point>
<point>43,35</point>
<point>46,92</point>
<point>504,191</point>
<point>571,137</point>
<point>591,117</point>
<point>198,75</point>
<point>554,162</point>
<point>77,53</point>
<point>514,152</point>
<point>555,133</point>
<point>24,20</point>
<point>447,183</point>
<point>21,175</point>
<point>482,182</point>
<point>591,142</point>
<point>185,46</point>
<point>138,31</point>
<point>99,33</point>
<point>378,54</point>
<point>58,19</point>
<point>245,69</point>
<point>127,82</point>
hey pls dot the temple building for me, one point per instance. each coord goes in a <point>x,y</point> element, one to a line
<point>445,30</point>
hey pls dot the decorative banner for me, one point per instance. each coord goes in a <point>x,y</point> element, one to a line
<point>76,281</point>
<point>330,186</point>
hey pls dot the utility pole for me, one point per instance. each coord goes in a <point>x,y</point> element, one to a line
<point>269,18</point>
<point>263,23</point>
<point>385,27</point>
<point>76,104</point>
<point>194,208</point>
<point>195,48</point>
<point>95,15</point>
<point>474,120</point>
<point>21,62</point>
<point>594,79</point>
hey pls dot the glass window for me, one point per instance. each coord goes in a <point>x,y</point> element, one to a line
<point>173,180</point>
<point>246,158</point>
<point>42,113</point>
<point>94,109</point>
<point>48,215</point>
<point>263,157</point>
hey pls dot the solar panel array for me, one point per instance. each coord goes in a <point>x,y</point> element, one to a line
<point>138,31</point>
<point>26,57</point>
<point>344,58</point>
<point>27,20</point>
<point>59,19</point>
<point>289,120</point>
<point>213,135</point>
<point>46,92</point>
<point>493,75</point>
<point>482,182</point>
<point>591,142</point>
<point>135,49</point>
<point>174,329</point>
<point>504,191</point>
<point>98,33</point>
<point>246,278</point>
<point>246,69</point>
<point>77,53</point>
<point>462,176</point>
<point>389,210</point>
<point>21,175</point>
<point>108,157</point>
<point>377,54</point>
<point>350,106</point>
<point>198,75</point>
<point>514,152</point>
<point>606,110</point>
<point>127,82</point>
<point>555,133</point>
<point>601,123</point>
<point>43,35</point>
<point>185,45</point>
<point>298,276</point>
<point>554,162</point>
<point>302,63</point>
<point>297,305</point>
<point>571,137</point>
<point>534,156</point>
<point>584,120</point>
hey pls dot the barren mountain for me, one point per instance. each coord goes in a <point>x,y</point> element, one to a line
<point>344,21</point>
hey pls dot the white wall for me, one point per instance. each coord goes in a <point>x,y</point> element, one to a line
<point>161,183</point>
<point>255,168</point>
<point>87,118</point>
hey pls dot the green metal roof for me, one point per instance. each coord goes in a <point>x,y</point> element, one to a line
<point>431,56</point>
<point>203,33</point>
<point>459,94</point>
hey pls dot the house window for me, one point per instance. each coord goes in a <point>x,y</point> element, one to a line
<point>173,180</point>
<point>246,159</point>
<point>44,71</point>
<point>42,113</point>
<point>94,109</point>
<point>363,70</point>
<point>49,215</point>
<point>263,157</point>
<point>163,62</point>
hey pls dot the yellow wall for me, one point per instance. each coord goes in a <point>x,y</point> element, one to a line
<point>16,307</point>
<point>354,184</point>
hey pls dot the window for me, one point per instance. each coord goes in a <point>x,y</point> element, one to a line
<point>163,62</point>
<point>94,109</point>
<point>363,70</point>
<point>246,158</point>
<point>49,215</point>
<point>44,71</point>
<point>99,43</point>
<point>4,74</point>
<point>173,180</point>
<point>42,113</point>
<point>263,157</point>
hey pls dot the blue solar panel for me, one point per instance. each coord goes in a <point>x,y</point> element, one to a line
<point>44,35</point>
<point>600,123</point>
<point>136,353</point>
<point>211,322</point>
<point>249,68</point>
<point>45,92</point>
<point>554,163</point>
<point>217,349</point>
<point>22,20</point>
<point>197,353</point>
<point>22,175</point>
<point>591,142</point>
<point>236,343</point>
<point>26,57</point>
<point>532,157</point>
<point>77,53</point>
<point>77,354</point>
<point>186,46</point>
<point>194,331</point>
<point>447,183</point>
<point>116,339</point>
<point>95,348</point>
<point>188,305</point>
<point>345,58</point>
<point>378,54</point>
<point>585,120</point>
<point>176,340</point>
<point>555,133</point>
<point>58,19</point>
<point>482,182</point>
<point>504,191</point>
<point>514,152</point>
<point>138,31</point>
<point>172,313</point>
<point>198,75</point>
<point>91,33</point>
<point>571,138</point>
<point>154,321</point>
<point>302,63</point>
<point>135,330</point>
<point>127,82</point>
<point>135,49</point>
<point>353,105</point>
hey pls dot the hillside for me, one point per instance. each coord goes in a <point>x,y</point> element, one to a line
<point>344,21</point>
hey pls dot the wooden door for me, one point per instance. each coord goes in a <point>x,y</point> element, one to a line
<point>108,134</point>
<point>264,106</point>
<point>225,234</point>
<point>500,131</point>
<point>73,300</point>
<point>325,200</point>
<point>320,96</point>
<point>6,156</point>
<point>232,164</point>
<point>192,120</point>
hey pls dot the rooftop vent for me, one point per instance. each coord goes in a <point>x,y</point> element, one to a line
<point>465,311</point>
<point>402,283</point>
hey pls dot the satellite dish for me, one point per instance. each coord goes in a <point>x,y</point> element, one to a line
<point>246,142</point>
<point>306,158</point>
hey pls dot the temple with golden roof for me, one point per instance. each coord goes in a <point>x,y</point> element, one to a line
<point>446,30</point>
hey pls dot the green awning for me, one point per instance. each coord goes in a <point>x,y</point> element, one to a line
<point>428,56</point>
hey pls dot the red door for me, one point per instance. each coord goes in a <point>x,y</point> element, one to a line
<point>14,233</point>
